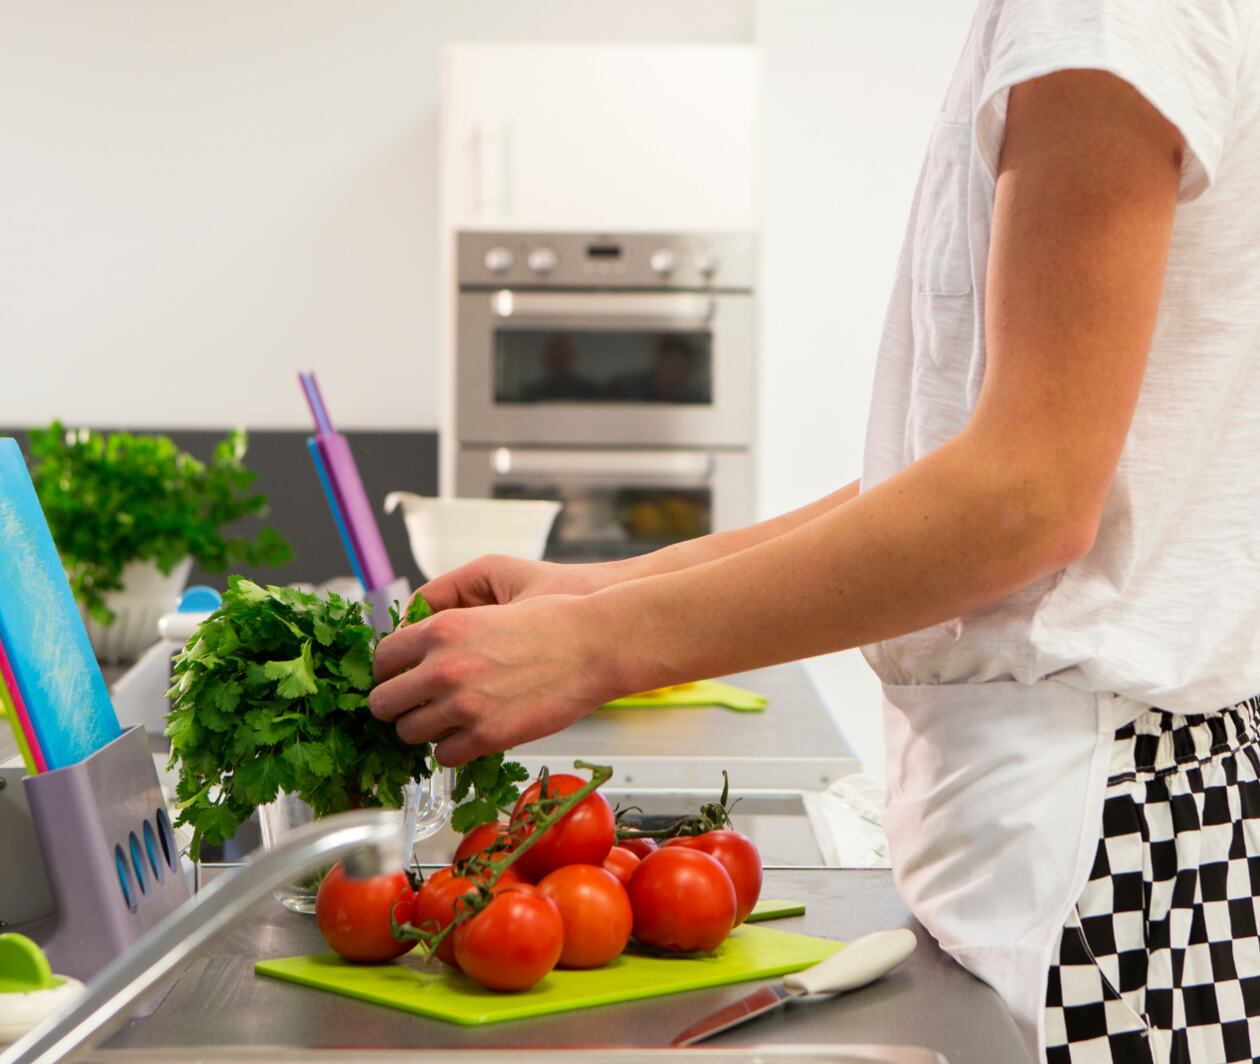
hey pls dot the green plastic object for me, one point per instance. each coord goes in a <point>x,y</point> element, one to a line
<point>769,909</point>
<point>436,992</point>
<point>701,693</point>
<point>23,966</point>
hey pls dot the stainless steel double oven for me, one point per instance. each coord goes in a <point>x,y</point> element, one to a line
<point>614,374</point>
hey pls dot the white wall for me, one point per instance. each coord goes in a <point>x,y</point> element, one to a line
<point>850,94</point>
<point>196,199</point>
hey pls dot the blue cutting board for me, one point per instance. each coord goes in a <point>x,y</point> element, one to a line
<point>48,649</point>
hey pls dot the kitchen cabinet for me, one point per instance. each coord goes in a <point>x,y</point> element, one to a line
<point>599,137</point>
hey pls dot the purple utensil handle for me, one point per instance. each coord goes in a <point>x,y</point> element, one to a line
<point>315,400</point>
<point>356,510</point>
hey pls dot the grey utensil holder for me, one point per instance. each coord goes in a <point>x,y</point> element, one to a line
<point>378,602</point>
<point>109,851</point>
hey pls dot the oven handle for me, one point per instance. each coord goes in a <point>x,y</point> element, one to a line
<point>676,465</point>
<point>670,309</point>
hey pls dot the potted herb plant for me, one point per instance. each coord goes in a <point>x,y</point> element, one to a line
<point>269,712</point>
<point>131,513</point>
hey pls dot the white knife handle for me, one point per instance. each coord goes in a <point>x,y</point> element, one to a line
<point>859,963</point>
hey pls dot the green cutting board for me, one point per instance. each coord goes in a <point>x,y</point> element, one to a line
<point>701,693</point>
<point>410,985</point>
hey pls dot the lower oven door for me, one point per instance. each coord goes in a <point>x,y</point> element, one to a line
<point>617,503</point>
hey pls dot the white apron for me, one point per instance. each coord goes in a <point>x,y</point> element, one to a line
<point>995,797</point>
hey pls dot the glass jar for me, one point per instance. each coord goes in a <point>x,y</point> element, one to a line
<point>425,811</point>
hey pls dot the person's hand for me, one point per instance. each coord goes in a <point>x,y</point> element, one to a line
<point>497,579</point>
<point>481,680</point>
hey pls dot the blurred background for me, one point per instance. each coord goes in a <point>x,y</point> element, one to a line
<point>198,200</point>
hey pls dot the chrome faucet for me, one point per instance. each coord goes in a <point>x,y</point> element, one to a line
<point>371,842</point>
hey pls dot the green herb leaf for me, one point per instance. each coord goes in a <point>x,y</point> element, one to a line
<point>418,609</point>
<point>473,814</point>
<point>356,666</point>
<point>296,677</point>
<point>309,757</point>
<point>259,780</point>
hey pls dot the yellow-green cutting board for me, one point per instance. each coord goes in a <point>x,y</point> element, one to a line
<point>410,985</point>
<point>701,693</point>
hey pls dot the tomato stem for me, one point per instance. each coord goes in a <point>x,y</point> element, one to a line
<point>713,816</point>
<point>539,816</point>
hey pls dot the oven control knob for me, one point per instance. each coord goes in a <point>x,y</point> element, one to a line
<point>706,263</point>
<point>662,261</point>
<point>499,260</point>
<point>542,260</point>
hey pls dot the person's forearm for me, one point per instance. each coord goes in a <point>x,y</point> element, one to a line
<point>954,532</point>
<point>692,552</point>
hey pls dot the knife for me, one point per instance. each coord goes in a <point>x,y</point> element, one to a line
<point>859,963</point>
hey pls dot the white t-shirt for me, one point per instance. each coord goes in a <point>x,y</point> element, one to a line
<point>1165,608</point>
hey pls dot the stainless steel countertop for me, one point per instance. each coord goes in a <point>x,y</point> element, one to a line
<point>928,1002</point>
<point>794,744</point>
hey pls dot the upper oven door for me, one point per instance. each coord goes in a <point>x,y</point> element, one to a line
<point>605,368</point>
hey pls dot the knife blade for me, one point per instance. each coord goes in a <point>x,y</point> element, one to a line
<point>855,965</point>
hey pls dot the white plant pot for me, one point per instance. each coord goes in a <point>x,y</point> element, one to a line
<point>448,533</point>
<point>147,594</point>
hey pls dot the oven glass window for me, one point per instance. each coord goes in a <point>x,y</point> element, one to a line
<point>600,523</point>
<point>563,366</point>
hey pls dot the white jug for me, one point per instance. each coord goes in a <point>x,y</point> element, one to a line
<point>448,533</point>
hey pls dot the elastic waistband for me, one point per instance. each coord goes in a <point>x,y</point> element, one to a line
<point>1159,742</point>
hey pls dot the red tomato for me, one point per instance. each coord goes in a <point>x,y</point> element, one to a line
<point>682,900</point>
<point>353,914</point>
<point>621,863</point>
<point>639,847</point>
<point>513,942</point>
<point>583,836</point>
<point>435,907</point>
<point>738,855</point>
<point>596,914</point>
<point>436,899</point>
<point>479,840</point>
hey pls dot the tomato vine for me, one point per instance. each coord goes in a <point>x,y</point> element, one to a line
<point>713,816</point>
<point>486,869</point>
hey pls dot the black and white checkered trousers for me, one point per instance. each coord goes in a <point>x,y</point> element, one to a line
<point>1159,963</point>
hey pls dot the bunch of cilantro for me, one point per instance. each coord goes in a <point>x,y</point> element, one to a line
<point>271,695</point>
<point>115,499</point>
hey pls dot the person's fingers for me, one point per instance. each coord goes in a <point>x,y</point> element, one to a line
<point>428,723</point>
<point>444,592</point>
<point>461,746</point>
<point>407,690</point>
<point>469,585</point>
<point>398,651</point>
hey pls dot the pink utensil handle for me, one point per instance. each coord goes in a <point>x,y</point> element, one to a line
<point>23,720</point>
<point>356,510</point>
<point>315,400</point>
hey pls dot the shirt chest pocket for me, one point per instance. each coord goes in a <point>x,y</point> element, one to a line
<point>941,264</point>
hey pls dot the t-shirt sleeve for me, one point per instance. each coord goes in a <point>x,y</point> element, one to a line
<point>1181,55</point>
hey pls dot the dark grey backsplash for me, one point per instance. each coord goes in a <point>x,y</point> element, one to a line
<point>387,461</point>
